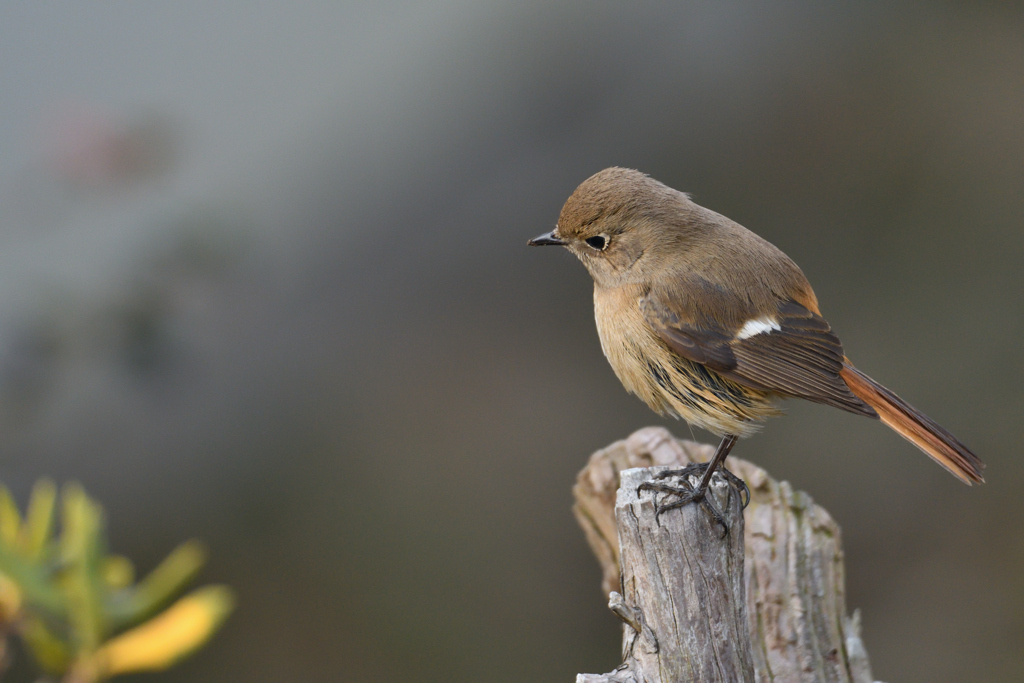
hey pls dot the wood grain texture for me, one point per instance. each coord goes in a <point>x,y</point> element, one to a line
<point>787,549</point>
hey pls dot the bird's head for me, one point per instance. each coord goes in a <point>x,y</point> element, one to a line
<point>621,224</point>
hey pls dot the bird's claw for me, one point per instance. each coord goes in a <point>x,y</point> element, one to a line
<point>698,468</point>
<point>685,493</point>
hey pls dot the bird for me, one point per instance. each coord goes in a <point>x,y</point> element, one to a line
<point>706,321</point>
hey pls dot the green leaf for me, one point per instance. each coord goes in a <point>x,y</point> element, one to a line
<point>118,571</point>
<point>49,651</point>
<point>33,581</point>
<point>132,605</point>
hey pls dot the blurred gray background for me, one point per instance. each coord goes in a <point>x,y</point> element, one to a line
<point>263,281</point>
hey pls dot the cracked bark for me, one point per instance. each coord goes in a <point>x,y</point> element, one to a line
<point>766,603</point>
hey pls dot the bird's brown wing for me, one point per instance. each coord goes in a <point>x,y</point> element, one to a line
<point>802,359</point>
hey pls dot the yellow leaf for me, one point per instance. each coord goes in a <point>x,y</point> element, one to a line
<point>39,518</point>
<point>10,519</point>
<point>80,580</point>
<point>168,637</point>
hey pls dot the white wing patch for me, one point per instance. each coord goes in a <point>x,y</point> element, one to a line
<point>757,326</point>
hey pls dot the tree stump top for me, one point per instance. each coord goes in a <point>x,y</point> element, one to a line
<point>789,555</point>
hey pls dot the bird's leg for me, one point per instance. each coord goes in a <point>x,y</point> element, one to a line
<point>687,494</point>
<point>728,441</point>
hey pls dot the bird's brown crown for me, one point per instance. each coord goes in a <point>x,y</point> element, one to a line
<point>615,193</point>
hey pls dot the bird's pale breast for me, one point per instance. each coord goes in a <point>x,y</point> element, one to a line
<point>668,383</point>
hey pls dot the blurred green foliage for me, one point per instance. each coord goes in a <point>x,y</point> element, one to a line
<point>78,609</point>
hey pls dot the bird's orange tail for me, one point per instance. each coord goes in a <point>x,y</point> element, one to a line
<point>915,426</point>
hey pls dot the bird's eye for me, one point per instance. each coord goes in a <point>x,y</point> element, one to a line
<point>598,242</point>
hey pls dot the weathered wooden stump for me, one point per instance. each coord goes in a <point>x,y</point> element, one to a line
<point>766,603</point>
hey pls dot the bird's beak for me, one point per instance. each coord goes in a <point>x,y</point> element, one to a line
<point>545,239</point>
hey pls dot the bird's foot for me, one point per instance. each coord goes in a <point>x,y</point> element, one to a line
<point>698,469</point>
<point>685,492</point>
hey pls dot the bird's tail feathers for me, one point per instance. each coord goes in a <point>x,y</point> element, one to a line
<point>915,426</point>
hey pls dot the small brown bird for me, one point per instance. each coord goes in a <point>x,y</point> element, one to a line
<point>704,320</point>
